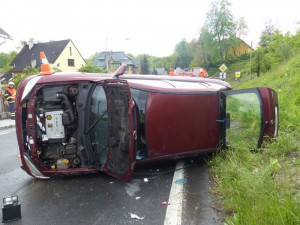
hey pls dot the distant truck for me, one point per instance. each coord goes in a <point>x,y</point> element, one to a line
<point>195,72</point>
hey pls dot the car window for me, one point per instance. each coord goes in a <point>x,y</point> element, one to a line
<point>245,118</point>
<point>98,118</point>
<point>140,98</point>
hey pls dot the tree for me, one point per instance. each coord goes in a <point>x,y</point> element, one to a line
<point>241,28</point>
<point>183,56</point>
<point>144,65</point>
<point>130,55</point>
<point>257,60</point>
<point>90,68</point>
<point>28,70</point>
<point>6,59</point>
<point>220,25</point>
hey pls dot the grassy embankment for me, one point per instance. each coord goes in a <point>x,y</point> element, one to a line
<point>264,187</point>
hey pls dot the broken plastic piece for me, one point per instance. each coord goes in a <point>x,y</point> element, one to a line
<point>181,181</point>
<point>133,216</point>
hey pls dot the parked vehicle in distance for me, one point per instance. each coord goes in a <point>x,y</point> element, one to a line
<point>74,123</point>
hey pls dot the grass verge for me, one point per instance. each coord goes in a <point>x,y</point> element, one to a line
<point>264,187</point>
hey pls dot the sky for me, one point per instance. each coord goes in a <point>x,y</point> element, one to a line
<point>151,27</point>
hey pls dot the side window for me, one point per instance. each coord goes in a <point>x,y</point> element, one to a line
<point>140,98</point>
<point>98,121</point>
<point>244,119</point>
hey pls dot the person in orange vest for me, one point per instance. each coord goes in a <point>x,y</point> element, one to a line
<point>10,95</point>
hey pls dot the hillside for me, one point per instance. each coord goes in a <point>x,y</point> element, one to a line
<point>263,187</point>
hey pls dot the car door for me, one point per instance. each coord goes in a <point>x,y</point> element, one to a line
<point>122,129</point>
<point>248,116</point>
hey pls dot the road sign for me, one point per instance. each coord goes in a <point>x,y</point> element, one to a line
<point>223,67</point>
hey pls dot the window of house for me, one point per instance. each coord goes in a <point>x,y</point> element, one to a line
<point>71,62</point>
<point>33,63</point>
<point>116,66</point>
<point>70,50</point>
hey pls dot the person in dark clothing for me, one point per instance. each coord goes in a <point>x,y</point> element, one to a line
<point>10,95</point>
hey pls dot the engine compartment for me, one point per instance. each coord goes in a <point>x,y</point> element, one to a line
<point>57,126</point>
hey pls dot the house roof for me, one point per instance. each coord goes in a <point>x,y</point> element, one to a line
<point>118,57</point>
<point>52,51</point>
<point>7,76</point>
<point>3,34</point>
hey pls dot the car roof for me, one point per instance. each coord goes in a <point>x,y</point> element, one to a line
<point>150,82</point>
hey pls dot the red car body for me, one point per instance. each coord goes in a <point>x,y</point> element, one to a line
<point>74,123</point>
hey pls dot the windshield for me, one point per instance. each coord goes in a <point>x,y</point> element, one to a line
<point>98,123</point>
<point>244,113</point>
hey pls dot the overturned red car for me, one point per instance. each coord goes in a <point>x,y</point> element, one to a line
<point>74,123</point>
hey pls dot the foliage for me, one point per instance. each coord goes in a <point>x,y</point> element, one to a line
<point>89,68</point>
<point>56,69</point>
<point>28,72</point>
<point>6,59</point>
<point>144,65</point>
<point>241,27</point>
<point>183,58</point>
<point>221,26</point>
<point>130,55</point>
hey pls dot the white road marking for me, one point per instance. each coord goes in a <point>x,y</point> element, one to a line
<point>174,210</point>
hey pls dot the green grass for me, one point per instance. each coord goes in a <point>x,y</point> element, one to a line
<point>264,187</point>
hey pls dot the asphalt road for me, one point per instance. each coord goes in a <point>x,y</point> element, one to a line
<point>101,199</point>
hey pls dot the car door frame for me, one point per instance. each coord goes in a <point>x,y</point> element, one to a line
<point>224,121</point>
<point>118,151</point>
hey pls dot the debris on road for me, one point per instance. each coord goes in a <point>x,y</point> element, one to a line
<point>111,182</point>
<point>181,182</point>
<point>133,216</point>
<point>164,203</point>
<point>145,179</point>
<point>137,198</point>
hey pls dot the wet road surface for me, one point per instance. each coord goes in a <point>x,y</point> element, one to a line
<point>101,199</point>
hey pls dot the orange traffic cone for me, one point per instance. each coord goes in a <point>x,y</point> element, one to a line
<point>45,67</point>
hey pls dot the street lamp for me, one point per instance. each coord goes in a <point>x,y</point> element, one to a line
<point>107,39</point>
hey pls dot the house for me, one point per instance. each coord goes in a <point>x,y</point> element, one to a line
<point>60,54</point>
<point>240,49</point>
<point>112,60</point>
<point>4,36</point>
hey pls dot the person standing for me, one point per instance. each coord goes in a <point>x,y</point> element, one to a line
<point>10,95</point>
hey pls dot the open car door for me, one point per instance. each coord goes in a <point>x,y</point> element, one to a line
<point>250,115</point>
<point>122,129</point>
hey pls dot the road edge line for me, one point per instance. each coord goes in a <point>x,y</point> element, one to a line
<point>174,209</point>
